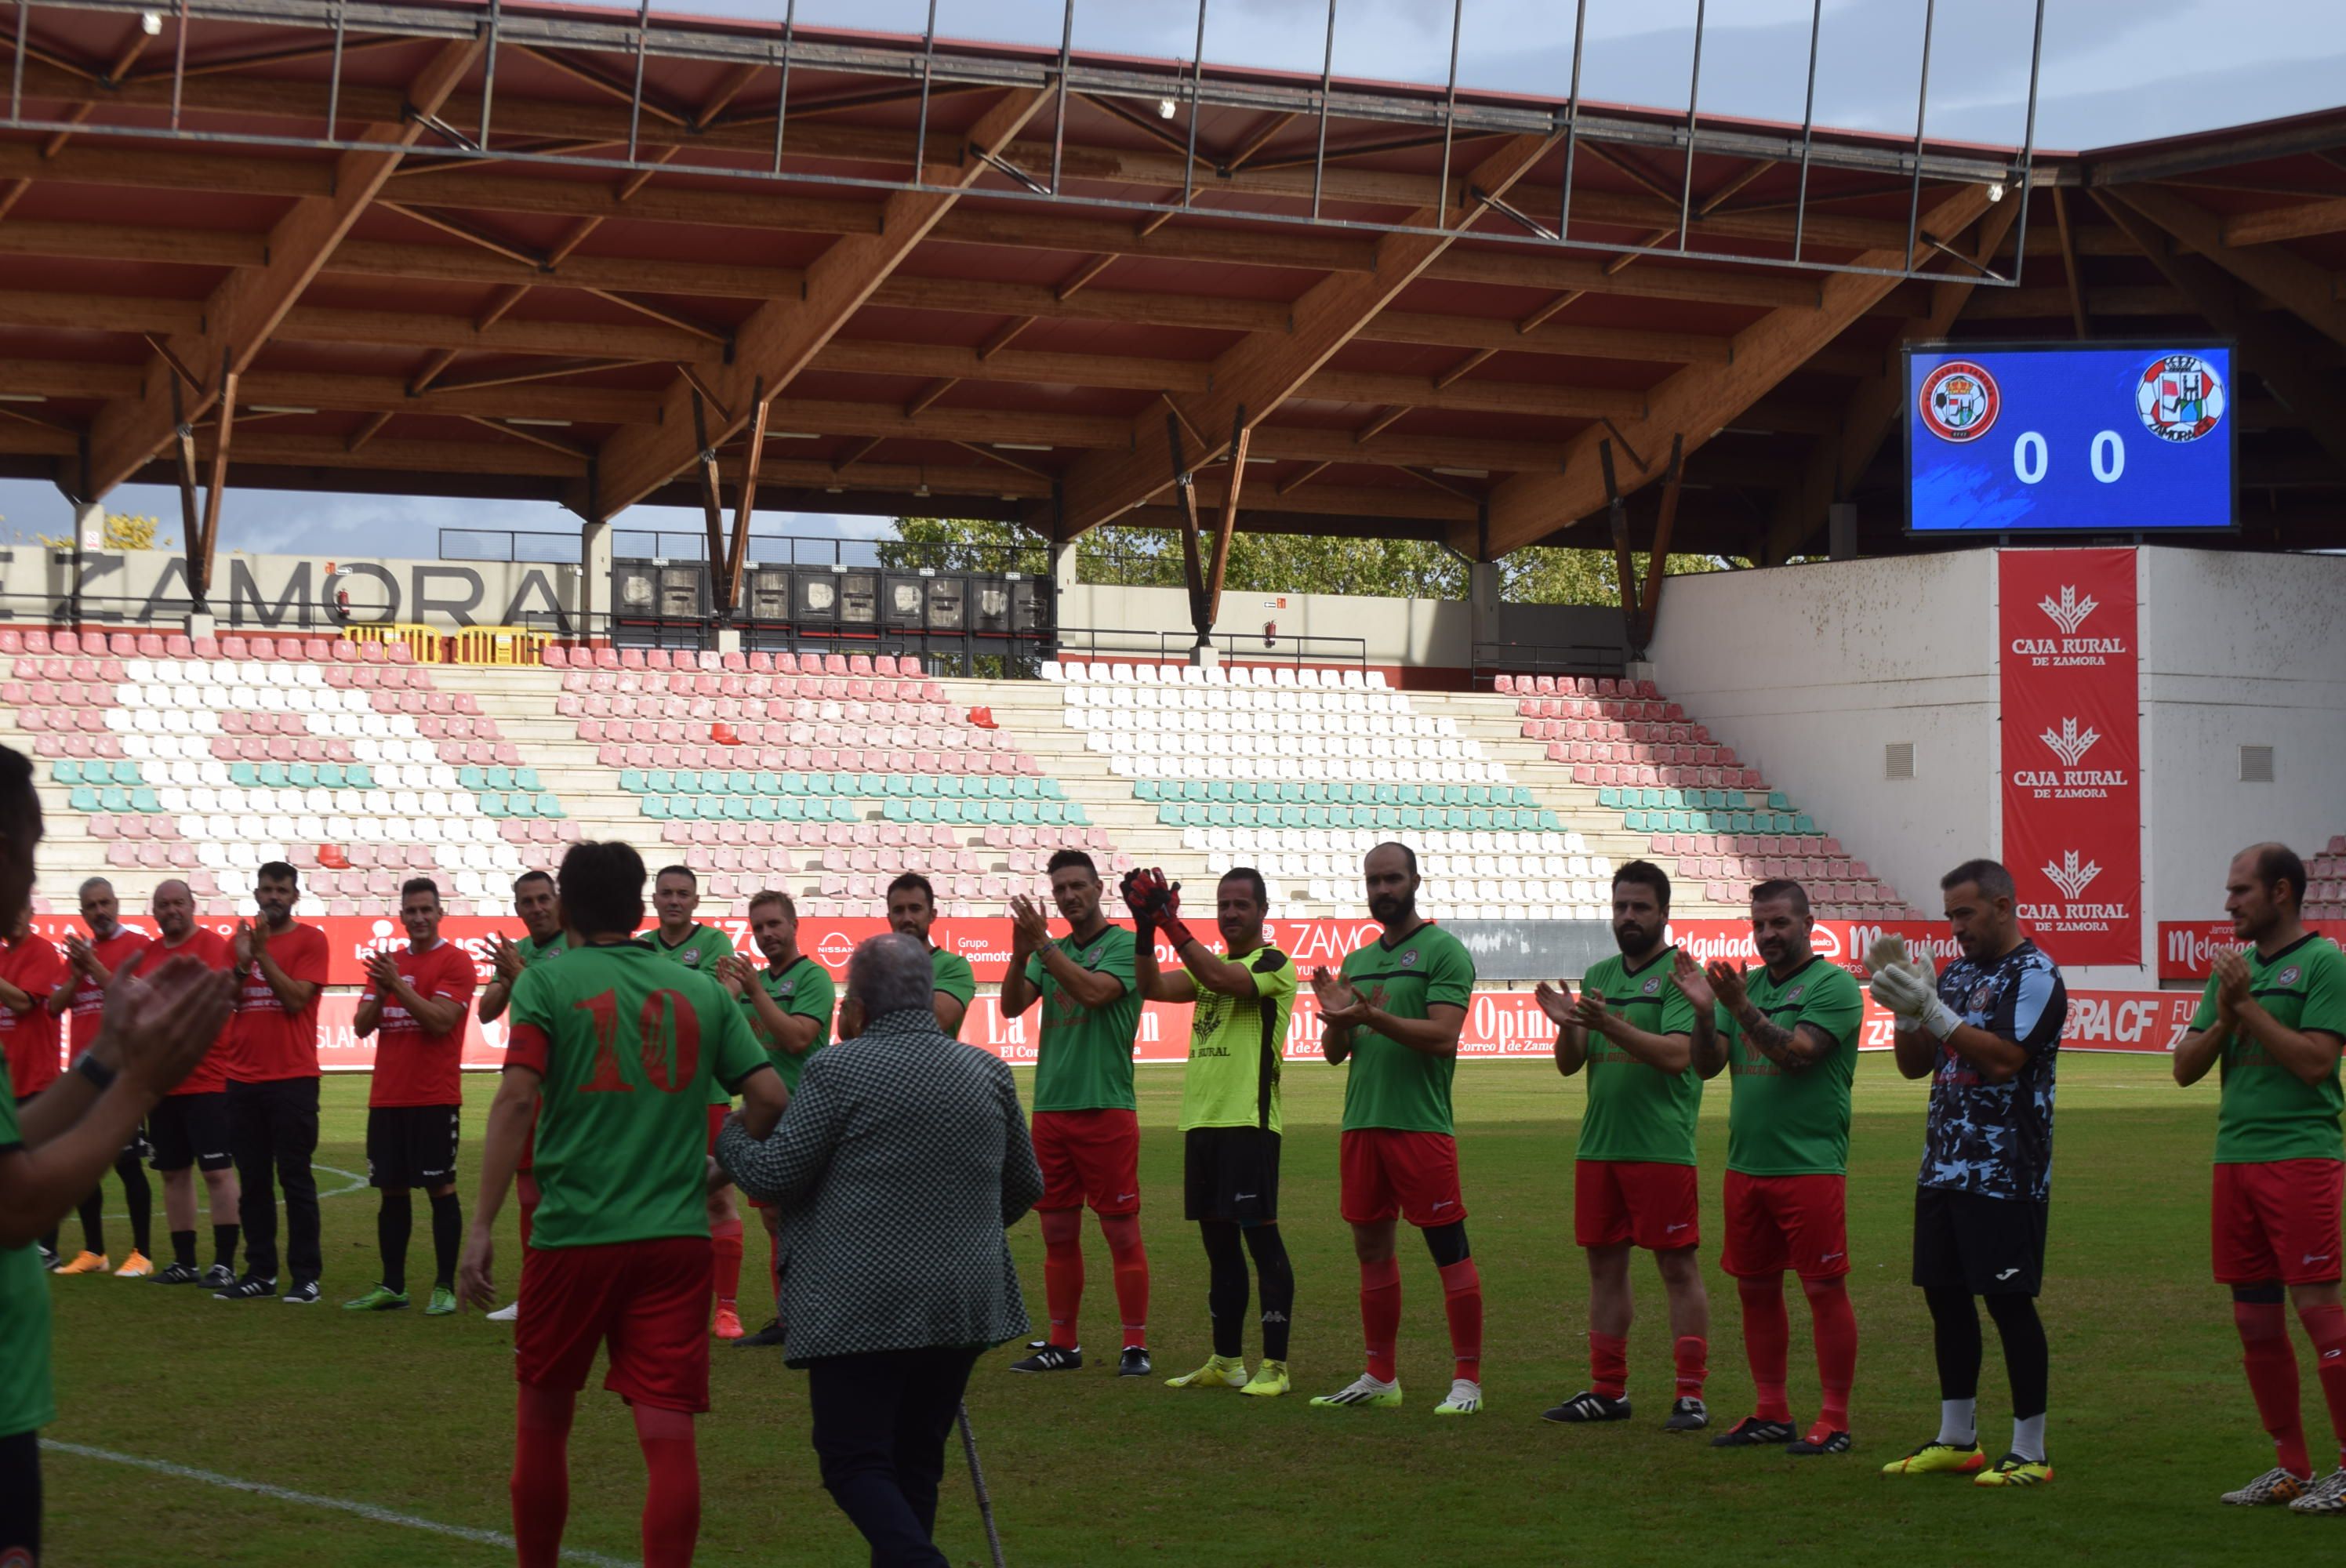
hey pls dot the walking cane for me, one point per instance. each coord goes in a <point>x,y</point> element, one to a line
<point>977,1483</point>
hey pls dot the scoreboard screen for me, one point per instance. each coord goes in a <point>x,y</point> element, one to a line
<point>2069,438</point>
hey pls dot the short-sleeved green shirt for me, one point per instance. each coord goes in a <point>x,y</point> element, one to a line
<point>27,1399</point>
<point>1236,1044</point>
<point>1083,1061</point>
<point>699,951</point>
<point>2268,1112</point>
<point>632,1049</point>
<point>950,973</point>
<point>1794,1120</point>
<point>1637,1111</point>
<point>532,949</point>
<point>1387,1084</point>
<point>802,991</point>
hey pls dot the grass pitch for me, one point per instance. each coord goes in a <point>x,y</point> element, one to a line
<point>2151,1418</point>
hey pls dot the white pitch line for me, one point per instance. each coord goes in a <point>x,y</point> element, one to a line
<point>496,1538</point>
<point>358,1184</point>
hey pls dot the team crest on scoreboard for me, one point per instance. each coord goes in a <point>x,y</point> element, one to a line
<point>2180,397</point>
<point>1959,402</point>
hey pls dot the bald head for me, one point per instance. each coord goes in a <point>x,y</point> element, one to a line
<point>174,908</point>
<point>889,974</point>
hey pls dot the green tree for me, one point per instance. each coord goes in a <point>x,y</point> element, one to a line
<point>1125,555</point>
<point>121,532</point>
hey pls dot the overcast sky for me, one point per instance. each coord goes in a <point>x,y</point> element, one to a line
<point>2114,71</point>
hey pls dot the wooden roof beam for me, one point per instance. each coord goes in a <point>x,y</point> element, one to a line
<point>784,335</point>
<point>245,309</point>
<point>2307,289</point>
<point>1696,402</point>
<point>1264,368</point>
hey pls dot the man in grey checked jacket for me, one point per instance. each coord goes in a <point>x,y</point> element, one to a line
<point>902,1156</point>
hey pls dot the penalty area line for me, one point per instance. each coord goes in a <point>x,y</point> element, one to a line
<point>368,1511</point>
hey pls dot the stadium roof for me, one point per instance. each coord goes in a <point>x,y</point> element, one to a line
<point>530,250</point>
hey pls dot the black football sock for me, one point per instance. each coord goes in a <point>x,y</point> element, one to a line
<point>1277,1279</point>
<point>93,1223</point>
<point>183,1248</point>
<point>139,1195</point>
<point>1226,1285</point>
<point>224,1245</point>
<point>393,1222</point>
<point>447,1239</point>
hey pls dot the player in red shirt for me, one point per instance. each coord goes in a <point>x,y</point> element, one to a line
<point>272,1088</point>
<point>415,1004</point>
<point>614,1050</point>
<point>30,971</point>
<point>91,965</point>
<point>189,1128</point>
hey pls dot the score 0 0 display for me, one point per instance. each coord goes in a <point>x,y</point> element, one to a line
<point>2069,438</point>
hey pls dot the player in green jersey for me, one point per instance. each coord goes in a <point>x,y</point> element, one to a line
<point>1394,1013</point>
<point>1085,1124</point>
<point>1229,1108</point>
<point>682,939</point>
<point>1647,1049</point>
<point>2274,1015</point>
<point>788,1007</point>
<point>155,1028</point>
<point>613,1054</point>
<point>912,910</point>
<point>1787,1033</point>
<point>542,937</point>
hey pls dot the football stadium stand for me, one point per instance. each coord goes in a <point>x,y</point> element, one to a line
<point>825,774</point>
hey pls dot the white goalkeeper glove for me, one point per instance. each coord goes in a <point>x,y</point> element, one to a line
<point>1907,992</point>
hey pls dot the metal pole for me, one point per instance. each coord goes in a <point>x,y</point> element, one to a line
<point>928,74</point>
<point>1922,112</point>
<point>1449,118</point>
<point>782,99</point>
<point>489,72</point>
<point>2027,153</point>
<point>16,67</point>
<point>1808,129</point>
<point>1694,97</point>
<point>334,75</point>
<point>1197,91</point>
<point>178,62</point>
<point>1059,114</point>
<point>1326,80</point>
<point>635,104</point>
<point>1572,123</point>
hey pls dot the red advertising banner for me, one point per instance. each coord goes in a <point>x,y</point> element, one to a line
<point>2069,688</point>
<point>2188,948</point>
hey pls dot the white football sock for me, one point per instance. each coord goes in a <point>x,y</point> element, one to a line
<point>2028,1437</point>
<point>1958,1423</point>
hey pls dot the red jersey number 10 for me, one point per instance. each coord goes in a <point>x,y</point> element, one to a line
<point>668,1033</point>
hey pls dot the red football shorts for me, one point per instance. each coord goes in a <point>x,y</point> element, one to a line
<point>1644,1201</point>
<point>646,1300</point>
<point>1089,1157</point>
<point>1795,1222</point>
<point>2277,1220</point>
<point>1388,1172</point>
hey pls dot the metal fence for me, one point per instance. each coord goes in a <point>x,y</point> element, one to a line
<point>1173,646</point>
<point>1165,99</point>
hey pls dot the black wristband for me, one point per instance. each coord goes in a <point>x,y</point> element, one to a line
<point>96,1071</point>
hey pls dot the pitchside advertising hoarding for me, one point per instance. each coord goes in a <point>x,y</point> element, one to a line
<point>1500,1024</point>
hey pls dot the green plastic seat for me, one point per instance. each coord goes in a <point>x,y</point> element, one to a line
<point>1051,790</point>
<point>658,808</point>
<point>631,780</point>
<point>766,808</point>
<point>144,799</point>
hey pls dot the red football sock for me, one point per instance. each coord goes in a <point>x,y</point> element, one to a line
<point>1767,1344</point>
<point>540,1474</point>
<point>1462,1299</point>
<point>1129,1260</point>
<point>1608,1364</point>
<point>1380,1315</point>
<point>526,1188</point>
<point>2271,1364</point>
<point>2327,1327</point>
<point>672,1487</point>
<point>1063,1272</point>
<point>1834,1321</point>
<point>1690,1352</point>
<point>725,1239</point>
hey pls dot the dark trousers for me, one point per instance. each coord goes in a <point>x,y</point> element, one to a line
<point>20,1498</point>
<point>272,1131</point>
<point>881,1422</point>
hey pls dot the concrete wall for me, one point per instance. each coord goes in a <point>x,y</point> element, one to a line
<point>2238,650</point>
<point>1811,671</point>
<point>1432,637</point>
